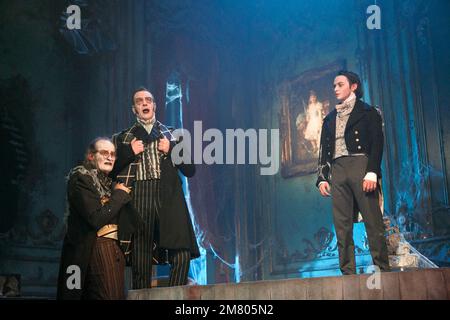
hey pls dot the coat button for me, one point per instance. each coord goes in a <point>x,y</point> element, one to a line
<point>356,132</point>
<point>359,147</point>
<point>357,140</point>
<point>329,153</point>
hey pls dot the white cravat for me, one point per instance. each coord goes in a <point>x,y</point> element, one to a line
<point>148,125</point>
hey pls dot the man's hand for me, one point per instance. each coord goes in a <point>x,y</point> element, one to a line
<point>164,145</point>
<point>121,186</point>
<point>369,186</point>
<point>324,189</point>
<point>137,146</point>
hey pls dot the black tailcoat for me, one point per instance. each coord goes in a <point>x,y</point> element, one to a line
<point>175,225</point>
<point>363,134</point>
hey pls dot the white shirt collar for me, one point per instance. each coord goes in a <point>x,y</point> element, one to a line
<point>148,125</point>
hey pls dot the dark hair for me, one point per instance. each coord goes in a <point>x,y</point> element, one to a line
<point>92,147</point>
<point>138,90</point>
<point>353,78</point>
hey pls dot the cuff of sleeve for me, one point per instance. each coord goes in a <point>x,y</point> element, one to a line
<point>371,176</point>
<point>128,149</point>
<point>171,146</point>
<point>321,182</point>
<point>121,196</point>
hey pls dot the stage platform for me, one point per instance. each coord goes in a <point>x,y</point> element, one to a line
<point>420,284</point>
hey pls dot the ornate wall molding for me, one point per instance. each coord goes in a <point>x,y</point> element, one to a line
<point>401,79</point>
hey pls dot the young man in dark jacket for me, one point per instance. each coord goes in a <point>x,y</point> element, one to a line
<point>351,149</point>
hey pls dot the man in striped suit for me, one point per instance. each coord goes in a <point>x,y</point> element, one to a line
<point>157,194</point>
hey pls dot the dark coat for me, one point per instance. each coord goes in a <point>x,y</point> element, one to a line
<point>175,225</point>
<point>363,134</point>
<point>87,216</point>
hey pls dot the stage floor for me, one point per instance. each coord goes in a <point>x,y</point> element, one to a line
<point>420,284</point>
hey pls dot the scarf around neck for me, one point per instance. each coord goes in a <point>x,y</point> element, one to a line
<point>102,182</point>
<point>346,107</point>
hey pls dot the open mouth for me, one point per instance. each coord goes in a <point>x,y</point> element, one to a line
<point>108,163</point>
<point>146,110</point>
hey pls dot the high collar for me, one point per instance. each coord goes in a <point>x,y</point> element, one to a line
<point>347,105</point>
<point>148,125</point>
<point>148,122</point>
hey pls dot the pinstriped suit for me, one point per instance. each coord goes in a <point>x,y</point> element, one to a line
<point>154,193</point>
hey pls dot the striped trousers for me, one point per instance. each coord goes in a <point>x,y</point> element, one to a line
<point>105,278</point>
<point>146,200</point>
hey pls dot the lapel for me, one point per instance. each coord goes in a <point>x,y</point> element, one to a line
<point>128,134</point>
<point>332,123</point>
<point>357,113</point>
<point>140,133</point>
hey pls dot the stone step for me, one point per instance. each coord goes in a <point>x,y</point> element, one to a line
<point>422,284</point>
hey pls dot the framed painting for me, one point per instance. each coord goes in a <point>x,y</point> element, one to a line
<point>305,101</point>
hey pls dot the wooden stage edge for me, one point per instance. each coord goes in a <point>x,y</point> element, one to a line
<point>422,284</point>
